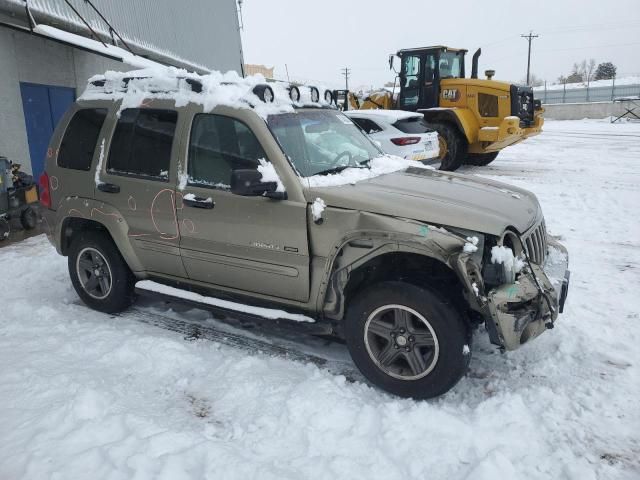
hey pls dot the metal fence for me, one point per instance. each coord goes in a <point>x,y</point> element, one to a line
<point>586,94</point>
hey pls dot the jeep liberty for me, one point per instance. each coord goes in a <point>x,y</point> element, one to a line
<point>268,196</point>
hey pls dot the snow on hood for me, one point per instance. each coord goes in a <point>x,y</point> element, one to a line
<point>218,89</point>
<point>438,198</point>
<point>377,166</point>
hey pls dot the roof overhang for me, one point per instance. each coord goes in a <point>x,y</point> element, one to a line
<point>14,14</point>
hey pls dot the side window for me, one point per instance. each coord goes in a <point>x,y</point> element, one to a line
<point>367,125</point>
<point>80,138</point>
<point>217,146</point>
<point>141,144</point>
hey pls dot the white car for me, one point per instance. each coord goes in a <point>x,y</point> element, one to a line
<point>400,133</point>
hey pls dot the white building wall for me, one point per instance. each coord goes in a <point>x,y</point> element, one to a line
<point>26,58</point>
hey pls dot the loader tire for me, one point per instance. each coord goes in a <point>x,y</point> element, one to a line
<point>453,147</point>
<point>480,159</point>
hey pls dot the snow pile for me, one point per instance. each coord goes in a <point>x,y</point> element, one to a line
<point>238,307</point>
<point>505,256</point>
<point>269,174</point>
<point>630,80</point>
<point>317,207</point>
<point>170,83</point>
<point>471,245</point>
<point>377,166</point>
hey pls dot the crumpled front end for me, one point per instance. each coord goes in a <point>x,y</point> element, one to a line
<point>524,309</point>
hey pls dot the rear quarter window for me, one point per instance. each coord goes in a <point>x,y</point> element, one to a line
<point>412,125</point>
<point>80,138</point>
<point>142,142</point>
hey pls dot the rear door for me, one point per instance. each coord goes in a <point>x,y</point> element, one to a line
<point>136,176</point>
<point>253,244</point>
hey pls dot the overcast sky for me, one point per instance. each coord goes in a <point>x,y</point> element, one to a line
<point>317,39</point>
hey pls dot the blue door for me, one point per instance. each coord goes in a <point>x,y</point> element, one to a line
<point>43,107</point>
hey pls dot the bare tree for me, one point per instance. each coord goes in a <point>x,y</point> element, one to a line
<point>589,69</point>
<point>534,81</point>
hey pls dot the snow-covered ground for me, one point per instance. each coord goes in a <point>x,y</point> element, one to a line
<point>85,395</point>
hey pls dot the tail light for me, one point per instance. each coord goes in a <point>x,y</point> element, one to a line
<point>402,141</point>
<point>45,194</point>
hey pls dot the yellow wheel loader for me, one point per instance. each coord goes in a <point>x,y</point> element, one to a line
<point>475,118</point>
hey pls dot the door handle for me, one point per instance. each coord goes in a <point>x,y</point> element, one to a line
<point>198,202</point>
<point>109,188</point>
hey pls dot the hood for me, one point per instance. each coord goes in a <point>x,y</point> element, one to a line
<point>440,198</point>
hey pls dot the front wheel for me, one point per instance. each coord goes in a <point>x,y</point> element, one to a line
<point>99,274</point>
<point>407,340</point>
<point>453,147</point>
<point>480,159</point>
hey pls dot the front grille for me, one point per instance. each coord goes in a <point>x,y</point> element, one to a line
<point>522,104</point>
<point>535,243</point>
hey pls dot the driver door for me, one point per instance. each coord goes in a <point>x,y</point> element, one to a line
<point>252,244</point>
<point>430,82</point>
<point>410,82</point>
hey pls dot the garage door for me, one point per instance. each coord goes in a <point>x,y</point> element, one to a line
<point>43,107</point>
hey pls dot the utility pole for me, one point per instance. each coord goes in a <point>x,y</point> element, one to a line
<point>529,37</point>
<point>346,72</point>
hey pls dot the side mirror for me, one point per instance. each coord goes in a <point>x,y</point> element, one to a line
<point>248,183</point>
<point>391,59</point>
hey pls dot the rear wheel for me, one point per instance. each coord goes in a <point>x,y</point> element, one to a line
<point>99,274</point>
<point>480,159</point>
<point>28,218</point>
<point>406,340</point>
<point>453,147</point>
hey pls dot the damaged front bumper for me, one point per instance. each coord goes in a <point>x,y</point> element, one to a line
<point>521,311</point>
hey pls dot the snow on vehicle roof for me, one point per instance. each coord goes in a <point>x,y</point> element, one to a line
<point>211,90</point>
<point>389,115</point>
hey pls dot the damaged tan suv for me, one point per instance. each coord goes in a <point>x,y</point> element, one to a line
<point>265,198</point>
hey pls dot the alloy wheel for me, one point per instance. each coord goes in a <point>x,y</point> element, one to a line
<point>401,342</point>
<point>94,273</point>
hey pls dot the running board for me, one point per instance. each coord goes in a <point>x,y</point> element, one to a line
<point>227,308</point>
<point>252,345</point>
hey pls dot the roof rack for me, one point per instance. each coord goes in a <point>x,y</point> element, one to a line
<point>263,91</point>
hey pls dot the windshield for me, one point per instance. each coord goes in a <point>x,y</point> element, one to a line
<point>322,141</point>
<point>450,65</point>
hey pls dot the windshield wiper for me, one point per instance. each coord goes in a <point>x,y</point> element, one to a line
<point>333,170</point>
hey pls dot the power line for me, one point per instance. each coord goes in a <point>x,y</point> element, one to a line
<point>346,72</point>
<point>529,37</point>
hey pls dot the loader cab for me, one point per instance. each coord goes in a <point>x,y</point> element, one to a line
<point>421,70</point>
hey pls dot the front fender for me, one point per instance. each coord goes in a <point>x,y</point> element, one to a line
<point>463,118</point>
<point>406,236</point>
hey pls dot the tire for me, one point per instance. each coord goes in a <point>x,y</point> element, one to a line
<point>453,147</point>
<point>373,331</point>
<point>114,285</point>
<point>28,218</point>
<point>480,159</point>
<point>5,229</point>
